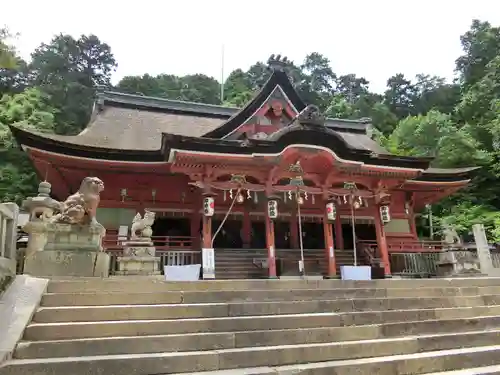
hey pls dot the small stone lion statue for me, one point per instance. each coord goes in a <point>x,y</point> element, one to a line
<point>450,235</point>
<point>81,207</point>
<point>141,226</point>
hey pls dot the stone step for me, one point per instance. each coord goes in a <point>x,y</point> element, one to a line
<point>241,339</point>
<point>406,355</point>
<point>214,310</point>
<point>167,297</point>
<point>409,321</point>
<point>141,284</point>
<point>488,370</point>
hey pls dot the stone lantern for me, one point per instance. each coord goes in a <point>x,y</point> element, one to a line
<point>41,208</point>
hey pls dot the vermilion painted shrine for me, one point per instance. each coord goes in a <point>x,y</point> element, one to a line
<point>279,175</point>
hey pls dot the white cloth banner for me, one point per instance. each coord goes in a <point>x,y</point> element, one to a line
<point>356,272</point>
<point>182,273</point>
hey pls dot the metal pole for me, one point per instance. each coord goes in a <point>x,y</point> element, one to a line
<point>300,235</point>
<point>353,222</point>
<point>431,225</point>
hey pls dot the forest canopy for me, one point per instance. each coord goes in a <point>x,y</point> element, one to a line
<point>457,123</point>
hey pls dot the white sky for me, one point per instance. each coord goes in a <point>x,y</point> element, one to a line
<point>371,38</point>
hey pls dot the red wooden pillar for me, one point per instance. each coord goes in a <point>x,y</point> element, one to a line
<point>382,242</point>
<point>330,252</point>
<point>207,232</point>
<point>339,236</point>
<point>246,229</point>
<point>271,251</point>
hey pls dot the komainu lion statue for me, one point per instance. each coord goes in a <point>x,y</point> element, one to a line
<point>81,207</point>
<point>141,226</point>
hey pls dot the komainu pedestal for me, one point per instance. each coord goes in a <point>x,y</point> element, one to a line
<point>71,250</point>
<point>139,253</point>
<point>139,259</point>
<point>68,243</point>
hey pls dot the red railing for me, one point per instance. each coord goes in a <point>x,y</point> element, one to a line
<point>402,246</point>
<point>409,258</point>
<point>161,243</point>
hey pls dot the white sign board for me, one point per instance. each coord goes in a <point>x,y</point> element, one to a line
<point>182,273</point>
<point>122,233</point>
<point>208,261</point>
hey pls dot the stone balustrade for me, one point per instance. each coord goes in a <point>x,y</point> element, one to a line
<point>8,236</point>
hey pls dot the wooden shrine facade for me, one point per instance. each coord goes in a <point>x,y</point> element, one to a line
<point>173,156</point>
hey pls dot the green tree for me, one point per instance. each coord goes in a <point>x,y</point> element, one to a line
<point>30,110</point>
<point>435,134</point>
<point>341,107</point>
<point>400,96</point>
<point>481,44</point>
<point>68,70</point>
<point>193,88</point>
<point>8,56</point>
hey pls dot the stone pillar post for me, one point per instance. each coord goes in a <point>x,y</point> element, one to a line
<point>483,250</point>
<point>382,242</point>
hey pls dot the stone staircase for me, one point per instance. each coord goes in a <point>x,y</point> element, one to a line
<point>238,263</point>
<point>143,326</point>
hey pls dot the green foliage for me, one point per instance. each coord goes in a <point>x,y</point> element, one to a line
<point>68,70</point>
<point>436,135</point>
<point>30,110</point>
<point>8,58</point>
<point>464,215</point>
<point>192,88</point>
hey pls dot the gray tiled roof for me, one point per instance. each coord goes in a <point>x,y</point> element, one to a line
<point>134,129</point>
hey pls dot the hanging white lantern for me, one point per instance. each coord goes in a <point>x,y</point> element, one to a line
<point>240,198</point>
<point>385,214</point>
<point>272,208</point>
<point>331,211</point>
<point>208,206</point>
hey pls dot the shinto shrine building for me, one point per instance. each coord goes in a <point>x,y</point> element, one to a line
<point>279,175</point>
